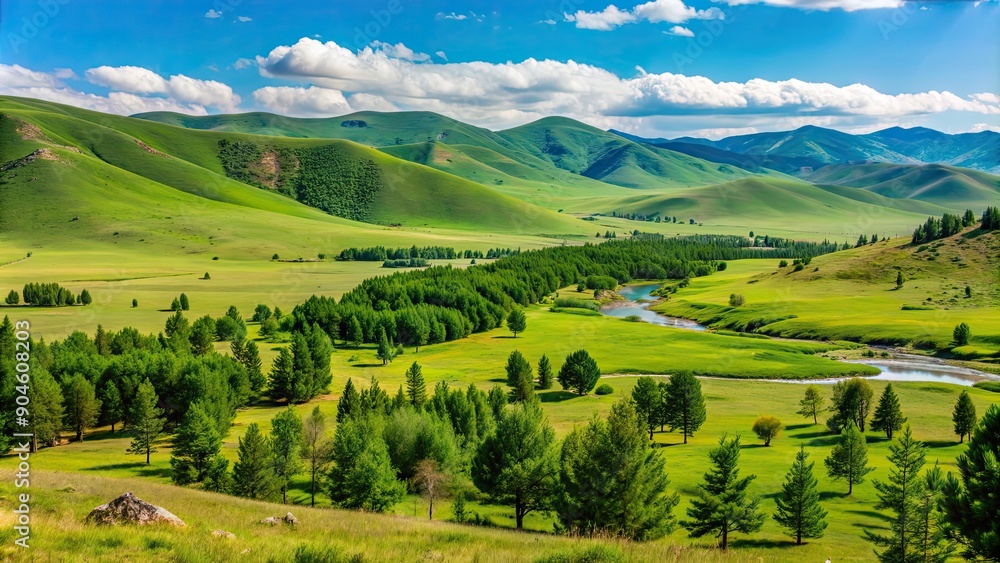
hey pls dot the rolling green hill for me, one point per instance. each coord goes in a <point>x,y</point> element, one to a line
<point>946,186</point>
<point>980,151</point>
<point>402,193</point>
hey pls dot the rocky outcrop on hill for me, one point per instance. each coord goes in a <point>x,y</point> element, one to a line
<point>128,509</point>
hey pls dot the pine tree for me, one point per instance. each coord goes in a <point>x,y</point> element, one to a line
<point>900,495</point>
<point>386,352</point>
<point>888,415</point>
<point>303,370</point>
<point>416,389</point>
<point>962,334</point>
<point>812,404</point>
<point>46,406</point>
<point>646,395</point>
<point>849,459</point>
<point>723,505</point>
<point>145,420</point>
<point>613,482</point>
<point>281,377</point>
<point>81,404</point>
<point>799,510</point>
<point>197,442</point>
<point>112,409</point>
<point>517,321</point>
<point>315,448</point>
<point>519,376</point>
<point>349,403</point>
<point>354,335</point>
<point>964,416</point>
<point>899,279</point>
<point>183,301</point>
<point>285,443</point>
<point>933,545</point>
<point>12,298</point>
<point>579,373</point>
<point>362,475</point>
<point>253,474</point>
<point>320,348</point>
<point>971,503</point>
<point>544,373</point>
<point>685,404</point>
<point>250,360</point>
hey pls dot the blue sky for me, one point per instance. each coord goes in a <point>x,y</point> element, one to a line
<point>664,67</point>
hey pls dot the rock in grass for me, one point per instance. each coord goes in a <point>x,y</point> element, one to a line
<point>223,534</point>
<point>271,521</point>
<point>128,509</point>
<point>290,519</point>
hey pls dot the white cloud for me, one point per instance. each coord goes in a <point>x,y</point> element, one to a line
<point>452,16</point>
<point>243,63</point>
<point>302,102</point>
<point>980,127</point>
<point>656,11</point>
<point>212,14</point>
<point>680,31</point>
<point>547,22</point>
<point>442,55</point>
<point>184,89</point>
<point>824,5</point>
<point>64,73</point>
<point>16,80</point>
<point>400,51</point>
<point>244,19</point>
<point>501,95</point>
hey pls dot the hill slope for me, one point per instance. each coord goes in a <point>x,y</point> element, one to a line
<point>398,192</point>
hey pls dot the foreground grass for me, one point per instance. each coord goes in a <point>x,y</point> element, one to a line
<point>72,479</point>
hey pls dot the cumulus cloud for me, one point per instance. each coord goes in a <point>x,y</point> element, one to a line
<point>212,14</point>
<point>184,89</point>
<point>242,63</point>
<point>302,102</point>
<point>824,5</point>
<point>505,94</point>
<point>64,73</point>
<point>980,127</point>
<point>443,56</point>
<point>656,11</point>
<point>16,80</point>
<point>244,19</point>
<point>680,31</point>
<point>400,51</point>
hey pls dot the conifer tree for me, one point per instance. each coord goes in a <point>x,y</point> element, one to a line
<point>964,416</point>
<point>544,373</point>
<point>81,404</point>
<point>647,399</point>
<point>888,415</point>
<point>303,370</point>
<point>285,443</point>
<point>253,473</point>
<point>281,377</point>
<point>685,404</point>
<point>362,475</point>
<point>971,502</point>
<point>385,352</point>
<point>579,373</point>
<point>112,409</point>
<point>812,404</point>
<point>197,442</point>
<point>519,376</point>
<point>900,495</point>
<point>516,321</point>
<point>799,511</point>
<point>354,335</point>
<point>849,459</point>
<point>349,403</point>
<point>46,407</point>
<point>723,505</point>
<point>933,544</point>
<point>315,448</point>
<point>145,420</point>
<point>320,348</point>
<point>416,389</point>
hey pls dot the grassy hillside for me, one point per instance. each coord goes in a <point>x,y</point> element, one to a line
<point>851,295</point>
<point>405,194</point>
<point>824,145</point>
<point>762,202</point>
<point>947,186</point>
<point>582,149</point>
<point>980,151</point>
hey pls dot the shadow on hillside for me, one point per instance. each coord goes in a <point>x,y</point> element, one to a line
<point>366,365</point>
<point>799,426</point>
<point>751,446</point>
<point>871,514</point>
<point>827,495</point>
<point>555,396</point>
<point>758,543</point>
<point>504,336</point>
<point>139,467</point>
<point>828,440</point>
<point>940,443</point>
<point>811,435</point>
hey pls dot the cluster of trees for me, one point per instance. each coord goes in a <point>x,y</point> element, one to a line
<point>405,263</point>
<point>180,303</point>
<point>328,177</point>
<point>48,295</point>
<point>607,235</point>
<point>948,225</point>
<point>677,404</point>
<point>381,253</point>
<point>126,379</point>
<point>442,304</point>
<point>991,219</point>
<point>863,240</point>
<point>302,371</point>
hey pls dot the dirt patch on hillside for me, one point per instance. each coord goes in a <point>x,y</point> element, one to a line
<point>272,169</point>
<point>29,131</point>
<point>148,148</point>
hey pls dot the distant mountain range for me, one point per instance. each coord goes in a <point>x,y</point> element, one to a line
<point>814,147</point>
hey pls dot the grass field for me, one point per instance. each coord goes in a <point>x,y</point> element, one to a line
<point>852,295</point>
<point>72,479</point>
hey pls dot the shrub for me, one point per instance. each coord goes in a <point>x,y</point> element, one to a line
<point>736,300</point>
<point>592,554</point>
<point>767,428</point>
<point>604,389</point>
<point>993,386</point>
<point>576,303</point>
<point>783,264</point>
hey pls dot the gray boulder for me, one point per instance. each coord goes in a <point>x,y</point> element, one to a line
<point>128,509</point>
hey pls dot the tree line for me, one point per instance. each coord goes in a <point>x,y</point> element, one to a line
<point>441,303</point>
<point>948,225</point>
<point>48,295</point>
<point>381,253</point>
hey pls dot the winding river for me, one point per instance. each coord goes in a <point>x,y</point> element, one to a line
<point>898,367</point>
